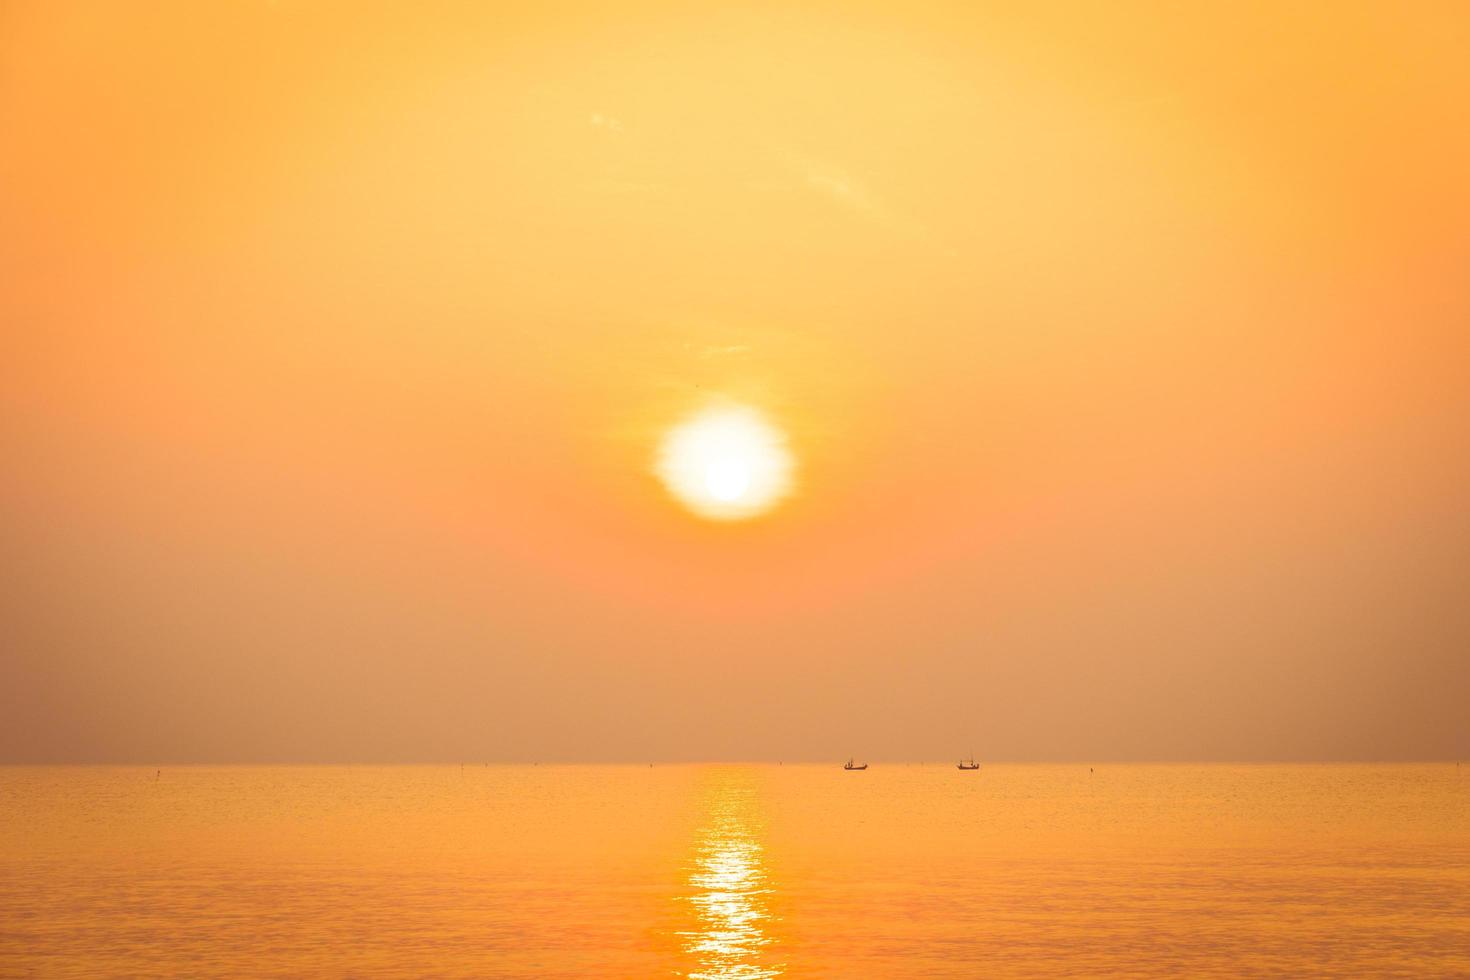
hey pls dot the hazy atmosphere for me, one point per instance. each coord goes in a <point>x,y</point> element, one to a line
<point>1112,377</point>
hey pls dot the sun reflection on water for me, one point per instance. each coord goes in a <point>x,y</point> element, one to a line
<point>732,937</point>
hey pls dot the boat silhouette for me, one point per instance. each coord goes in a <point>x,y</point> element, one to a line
<point>852,767</point>
<point>969,765</point>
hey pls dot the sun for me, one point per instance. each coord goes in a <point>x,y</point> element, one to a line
<point>727,462</point>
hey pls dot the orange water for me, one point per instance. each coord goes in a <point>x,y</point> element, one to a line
<point>735,871</point>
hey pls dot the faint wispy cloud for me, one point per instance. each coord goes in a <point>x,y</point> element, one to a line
<point>605,123</point>
<point>709,351</point>
<point>850,193</point>
<point>729,350</point>
<point>840,187</point>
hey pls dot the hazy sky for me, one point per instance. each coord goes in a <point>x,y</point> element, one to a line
<point>1124,352</point>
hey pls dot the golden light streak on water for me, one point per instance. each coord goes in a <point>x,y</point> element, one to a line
<point>730,887</point>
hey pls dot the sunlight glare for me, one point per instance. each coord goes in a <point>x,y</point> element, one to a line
<point>727,462</point>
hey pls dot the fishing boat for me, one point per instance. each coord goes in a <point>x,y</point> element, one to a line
<point>969,765</point>
<point>854,767</point>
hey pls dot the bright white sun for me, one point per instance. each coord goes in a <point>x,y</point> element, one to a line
<point>727,463</point>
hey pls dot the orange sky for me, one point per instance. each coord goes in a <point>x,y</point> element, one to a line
<point>1123,351</point>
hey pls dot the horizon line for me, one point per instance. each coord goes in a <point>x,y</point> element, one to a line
<point>643,763</point>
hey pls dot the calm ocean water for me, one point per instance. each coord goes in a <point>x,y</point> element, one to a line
<point>735,871</point>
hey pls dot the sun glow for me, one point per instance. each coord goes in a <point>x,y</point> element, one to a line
<point>726,463</point>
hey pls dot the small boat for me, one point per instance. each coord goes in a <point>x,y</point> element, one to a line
<point>853,767</point>
<point>969,765</point>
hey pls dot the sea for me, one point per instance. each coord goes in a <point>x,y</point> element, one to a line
<point>735,871</point>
